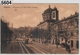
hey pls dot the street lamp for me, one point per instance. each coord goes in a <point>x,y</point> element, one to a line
<point>57,40</point>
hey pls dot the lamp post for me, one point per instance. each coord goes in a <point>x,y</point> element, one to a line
<point>57,39</point>
<point>57,42</point>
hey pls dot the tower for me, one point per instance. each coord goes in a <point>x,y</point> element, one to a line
<point>50,14</point>
<point>55,14</point>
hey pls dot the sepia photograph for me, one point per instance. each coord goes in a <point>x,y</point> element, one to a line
<point>42,28</point>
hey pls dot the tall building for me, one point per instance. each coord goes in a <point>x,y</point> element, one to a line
<point>49,16</point>
<point>61,31</point>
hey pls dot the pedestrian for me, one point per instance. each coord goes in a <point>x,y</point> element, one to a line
<point>66,47</point>
<point>69,50</point>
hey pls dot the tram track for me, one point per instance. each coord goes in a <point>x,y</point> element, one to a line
<point>44,48</point>
<point>41,50</point>
<point>35,49</point>
<point>32,49</point>
<point>23,48</point>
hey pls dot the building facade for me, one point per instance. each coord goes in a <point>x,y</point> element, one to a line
<point>61,31</point>
<point>66,31</point>
<point>49,17</point>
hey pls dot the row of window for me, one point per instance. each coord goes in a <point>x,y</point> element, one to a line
<point>65,25</point>
<point>70,26</point>
<point>46,17</point>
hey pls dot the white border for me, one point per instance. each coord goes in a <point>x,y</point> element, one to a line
<point>46,1</point>
<point>49,1</point>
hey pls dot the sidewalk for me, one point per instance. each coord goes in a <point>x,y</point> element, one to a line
<point>58,50</point>
<point>53,48</point>
<point>12,48</point>
<point>76,51</point>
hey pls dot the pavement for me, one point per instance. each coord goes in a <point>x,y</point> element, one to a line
<point>76,51</point>
<point>53,48</point>
<point>59,50</point>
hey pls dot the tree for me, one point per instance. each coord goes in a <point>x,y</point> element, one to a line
<point>40,34</point>
<point>5,33</point>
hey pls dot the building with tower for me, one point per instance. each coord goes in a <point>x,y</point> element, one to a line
<point>60,31</point>
<point>49,16</point>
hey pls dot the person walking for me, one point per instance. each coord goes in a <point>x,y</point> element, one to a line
<point>69,50</point>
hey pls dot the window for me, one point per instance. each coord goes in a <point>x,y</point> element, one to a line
<point>48,17</point>
<point>53,15</point>
<point>62,39</point>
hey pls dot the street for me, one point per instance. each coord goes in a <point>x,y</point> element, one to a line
<point>34,48</point>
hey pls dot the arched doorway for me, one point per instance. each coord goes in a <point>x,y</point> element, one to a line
<point>71,43</point>
<point>77,44</point>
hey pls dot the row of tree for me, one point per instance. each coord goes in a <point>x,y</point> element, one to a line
<point>31,33</point>
<point>40,33</point>
<point>5,33</point>
<point>22,31</point>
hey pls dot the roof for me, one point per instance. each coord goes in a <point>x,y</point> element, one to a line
<point>49,10</point>
<point>67,18</point>
<point>47,21</point>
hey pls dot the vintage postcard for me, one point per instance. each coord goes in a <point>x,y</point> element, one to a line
<point>39,28</point>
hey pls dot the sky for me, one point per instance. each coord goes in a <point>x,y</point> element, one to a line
<point>31,14</point>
